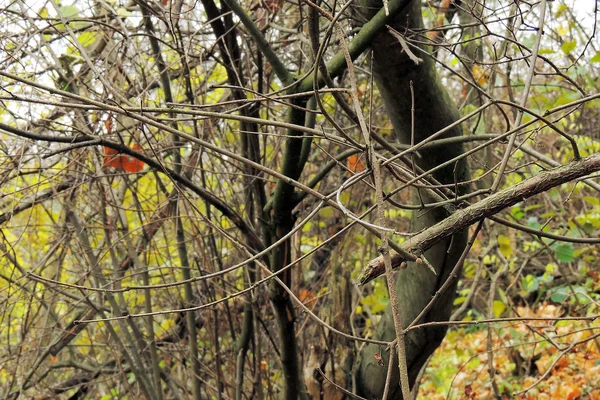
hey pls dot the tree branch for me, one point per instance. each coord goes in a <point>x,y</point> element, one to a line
<point>262,43</point>
<point>359,44</point>
<point>485,208</point>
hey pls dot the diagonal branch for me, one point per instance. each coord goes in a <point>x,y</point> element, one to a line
<point>485,208</point>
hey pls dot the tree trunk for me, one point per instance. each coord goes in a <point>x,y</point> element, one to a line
<point>434,110</point>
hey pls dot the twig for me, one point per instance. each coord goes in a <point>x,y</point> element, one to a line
<point>513,137</point>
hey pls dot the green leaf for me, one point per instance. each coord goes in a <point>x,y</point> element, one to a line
<point>530,283</point>
<point>533,207</point>
<point>459,300</point>
<point>516,212</point>
<point>326,212</point>
<point>470,270</point>
<point>596,58</point>
<point>564,252</point>
<point>360,239</point>
<point>568,47</point>
<point>345,197</point>
<point>123,12</point>
<point>474,363</point>
<point>582,295</point>
<point>559,294</point>
<point>560,10</point>
<point>548,214</point>
<point>533,222</point>
<point>69,11</point>
<point>376,303</point>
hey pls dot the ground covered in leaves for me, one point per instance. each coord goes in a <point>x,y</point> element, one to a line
<point>533,359</point>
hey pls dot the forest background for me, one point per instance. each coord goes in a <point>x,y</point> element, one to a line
<point>299,199</point>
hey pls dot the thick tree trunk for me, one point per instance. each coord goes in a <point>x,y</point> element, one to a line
<point>416,285</point>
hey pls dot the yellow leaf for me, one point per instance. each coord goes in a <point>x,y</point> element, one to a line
<point>505,246</point>
<point>498,308</point>
<point>560,10</point>
<point>481,76</point>
<point>326,212</point>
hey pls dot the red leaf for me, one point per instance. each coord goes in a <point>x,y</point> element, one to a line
<point>131,164</point>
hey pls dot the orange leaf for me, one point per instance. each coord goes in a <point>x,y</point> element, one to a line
<point>432,35</point>
<point>481,76</point>
<point>112,158</point>
<point>355,163</point>
<point>306,295</point>
<point>444,5</point>
<point>574,392</point>
<point>110,152</point>
<point>439,19</point>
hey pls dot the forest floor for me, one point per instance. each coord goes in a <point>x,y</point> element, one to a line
<point>532,360</point>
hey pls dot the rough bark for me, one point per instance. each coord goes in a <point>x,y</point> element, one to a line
<point>416,285</point>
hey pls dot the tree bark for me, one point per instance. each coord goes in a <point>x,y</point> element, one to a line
<point>433,110</point>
